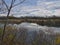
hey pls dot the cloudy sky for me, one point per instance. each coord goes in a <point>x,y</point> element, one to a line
<point>38,8</point>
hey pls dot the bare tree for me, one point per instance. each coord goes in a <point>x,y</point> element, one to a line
<point>13,3</point>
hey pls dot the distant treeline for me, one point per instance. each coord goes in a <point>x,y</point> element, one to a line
<point>30,17</point>
<point>49,21</point>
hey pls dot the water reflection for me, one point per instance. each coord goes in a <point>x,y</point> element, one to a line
<point>33,26</point>
<point>30,33</point>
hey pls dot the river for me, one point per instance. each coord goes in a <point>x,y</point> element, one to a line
<point>34,26</point>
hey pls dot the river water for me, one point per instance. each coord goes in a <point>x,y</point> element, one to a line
<point>36,27</point>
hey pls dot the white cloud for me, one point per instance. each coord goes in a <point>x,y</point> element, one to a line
<point>2,14</point>
<point>34,11</point>
<point>47,8</point>
<point>57,12</point>
<point>49,5</point>
<point>52,6</point>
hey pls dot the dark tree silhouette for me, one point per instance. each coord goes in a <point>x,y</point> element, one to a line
<point>7,8</point>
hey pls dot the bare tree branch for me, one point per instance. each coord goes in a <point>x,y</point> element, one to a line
<point>18,3</point>
<point>8,13</point>
<point>5,4</point>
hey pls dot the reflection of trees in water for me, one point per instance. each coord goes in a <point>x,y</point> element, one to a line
<point>22,36</point>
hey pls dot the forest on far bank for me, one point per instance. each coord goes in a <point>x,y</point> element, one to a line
<point>48,21</point>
